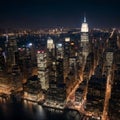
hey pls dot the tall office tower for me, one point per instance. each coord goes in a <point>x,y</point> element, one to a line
<point>27,59</point>
<point>11,51</point>
<point>96,94</point>
<point>50,44</point>
<point>52,71</point>
<point>50,52</point>
<point>30,57</point>
<point>31,52</point>
<point>42,69</point>
<point>56,65</point>
<point>67,47</point>
<point>84,45</point>
<point>66,57</point>
<point>59,50</point>
<point>59,71</point>
<point>24,62</point>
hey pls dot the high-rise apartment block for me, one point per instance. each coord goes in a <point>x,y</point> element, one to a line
<point>43,69</point>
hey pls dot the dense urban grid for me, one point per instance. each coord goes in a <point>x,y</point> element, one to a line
<point>75,71</point>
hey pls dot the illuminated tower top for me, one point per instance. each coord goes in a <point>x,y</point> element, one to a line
<point>84,19</point>
<point>50,44</point>
<point>84,27</point>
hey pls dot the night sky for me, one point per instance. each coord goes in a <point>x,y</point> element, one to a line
<point>58,13</point>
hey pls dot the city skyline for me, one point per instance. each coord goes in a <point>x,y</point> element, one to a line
<point>61,13</point>
<point>73,73</point>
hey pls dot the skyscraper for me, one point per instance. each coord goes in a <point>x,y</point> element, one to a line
<point>42,69</point>
<point>59,51</point>
<point>84,27</point>
<point>84,44</point>
<point>11,51</point>
<point>50,44</point>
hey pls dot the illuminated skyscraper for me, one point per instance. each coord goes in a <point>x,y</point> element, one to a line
<point>84,45</point>
<point>50,50</point>
<point>11,50</point>
<point>50,44</point>
<point>42,69</point>
<point>59,51</point>
<point>66,56</point>
<point>84,27</point>
<point>67,47</point>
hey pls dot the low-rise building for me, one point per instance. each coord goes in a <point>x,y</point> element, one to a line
<point>32,89</point>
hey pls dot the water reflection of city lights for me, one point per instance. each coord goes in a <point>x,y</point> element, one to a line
<point>40,112</point>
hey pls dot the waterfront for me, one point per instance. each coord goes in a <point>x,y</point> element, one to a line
<point>26,111</point>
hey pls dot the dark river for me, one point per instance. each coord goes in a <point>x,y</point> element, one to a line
<point>30,111</point>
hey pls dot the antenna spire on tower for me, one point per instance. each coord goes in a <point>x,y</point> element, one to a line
<point>84,17</point>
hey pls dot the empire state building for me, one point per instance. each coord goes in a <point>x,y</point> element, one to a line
<point>84,44</point>
<point>84,27</point>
